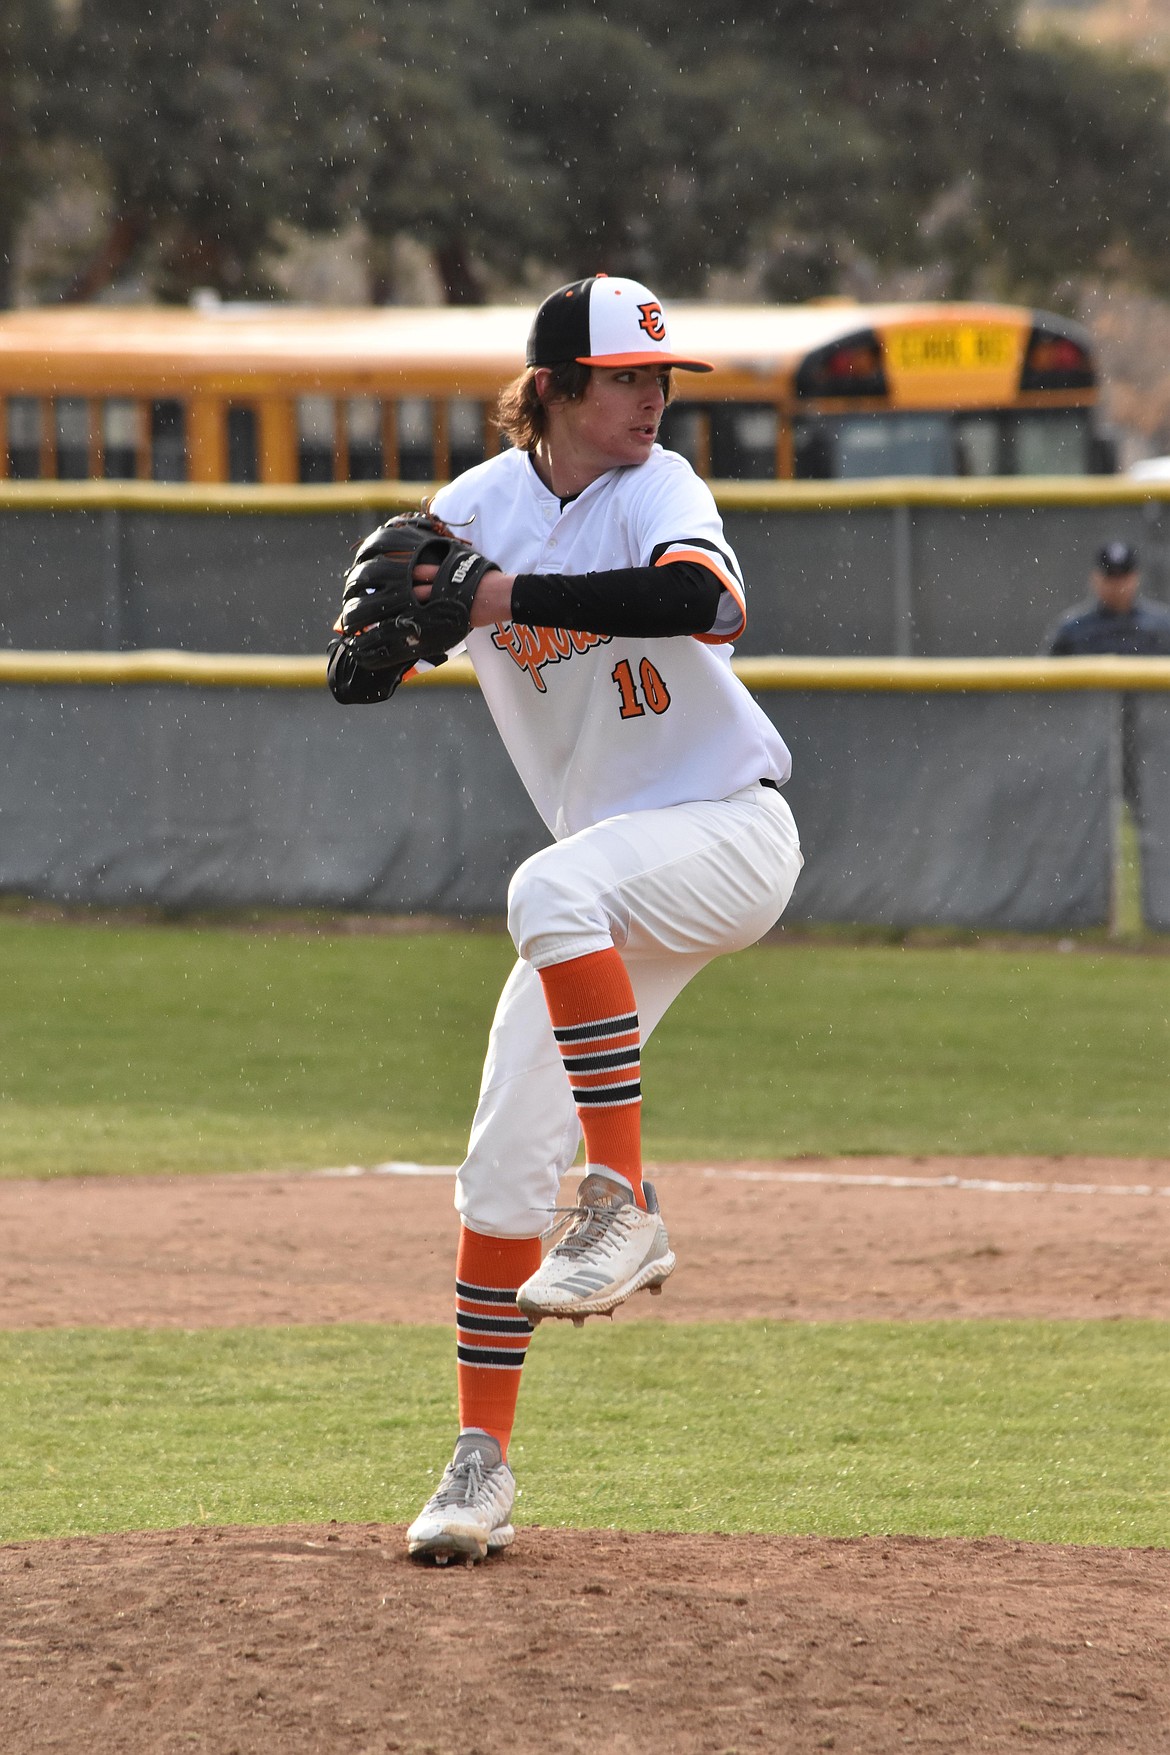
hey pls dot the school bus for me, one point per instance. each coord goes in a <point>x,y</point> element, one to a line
<point>281,393</point>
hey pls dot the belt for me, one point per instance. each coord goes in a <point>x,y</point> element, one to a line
<point>774,784</point>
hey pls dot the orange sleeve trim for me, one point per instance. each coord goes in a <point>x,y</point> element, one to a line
<point>730,585</point>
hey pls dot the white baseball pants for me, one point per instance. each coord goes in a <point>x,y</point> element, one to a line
<point>672,889</point>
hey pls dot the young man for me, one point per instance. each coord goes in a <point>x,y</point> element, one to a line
<point>600,641</point>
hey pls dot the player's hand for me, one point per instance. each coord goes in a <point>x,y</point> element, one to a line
<point>385,624</point>
<point>493,598</point>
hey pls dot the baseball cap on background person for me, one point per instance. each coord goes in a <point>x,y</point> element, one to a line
<point>1116,559</point>
<point>604,321</point>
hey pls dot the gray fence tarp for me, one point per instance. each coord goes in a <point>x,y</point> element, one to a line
<point>929,580</point>
<point>967,809</point>
<point>114,578</point>
<point>952,809</point>
<point>182,797</point>
<point>1152,805</point>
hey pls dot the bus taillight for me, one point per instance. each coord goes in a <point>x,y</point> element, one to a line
<point>1057,358</point>
<point>849,367</point>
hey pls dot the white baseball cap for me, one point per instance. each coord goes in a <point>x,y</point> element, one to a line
<point>604,321</point>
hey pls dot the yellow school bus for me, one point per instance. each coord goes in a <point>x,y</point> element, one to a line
<point>281,393</point>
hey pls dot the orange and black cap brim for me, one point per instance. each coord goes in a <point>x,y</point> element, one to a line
<point>663,360</point>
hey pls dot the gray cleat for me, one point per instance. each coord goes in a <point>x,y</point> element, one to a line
<point>610,1250</point>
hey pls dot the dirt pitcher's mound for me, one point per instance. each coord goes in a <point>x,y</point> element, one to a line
<point>327,1641</point>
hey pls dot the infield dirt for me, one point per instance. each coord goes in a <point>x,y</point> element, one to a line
<point>326,1641</point>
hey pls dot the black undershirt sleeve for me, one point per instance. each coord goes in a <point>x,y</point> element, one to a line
<point>679,597</point>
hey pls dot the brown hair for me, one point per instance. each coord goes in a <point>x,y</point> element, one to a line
<point>521,415</point>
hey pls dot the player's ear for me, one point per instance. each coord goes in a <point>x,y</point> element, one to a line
<point>542,382</point>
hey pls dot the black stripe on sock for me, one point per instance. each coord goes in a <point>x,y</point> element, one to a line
<point>614,1094</point>
<point>575,1063</point>
<point>602,1027</point>
<point>512,1358</point>
<point>485,1294</point>
<point>493,1325</point>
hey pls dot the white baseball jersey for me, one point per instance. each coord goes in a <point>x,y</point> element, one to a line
<point>598,724</point>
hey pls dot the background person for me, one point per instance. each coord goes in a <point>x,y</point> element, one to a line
<point>1117,619</point>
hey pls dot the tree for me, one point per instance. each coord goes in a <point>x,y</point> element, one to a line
<point>1074,177</point>
<point>1015,167</point>
<point>27,37</point>
<point>551,137</point>
<point>178,105</point>
<point>444,166</point>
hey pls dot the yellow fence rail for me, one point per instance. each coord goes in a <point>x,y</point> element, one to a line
<point>732,496</point>
<point>889,675</point>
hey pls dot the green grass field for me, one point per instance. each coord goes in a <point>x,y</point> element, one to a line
<point>1037,1431</point>
<point>188,1048</point>
<point>183,1048</point>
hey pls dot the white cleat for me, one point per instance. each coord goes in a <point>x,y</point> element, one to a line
<point>469,1515</point>
<point>611,1250</point>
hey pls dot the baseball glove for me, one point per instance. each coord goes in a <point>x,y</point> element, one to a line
<point>383,626</point>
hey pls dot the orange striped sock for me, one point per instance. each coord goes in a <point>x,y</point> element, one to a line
<point>492,1336</point>
<point>595,1021</point>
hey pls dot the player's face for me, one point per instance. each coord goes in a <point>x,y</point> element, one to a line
<point>615,423</point>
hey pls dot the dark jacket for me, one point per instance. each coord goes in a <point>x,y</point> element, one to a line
<point>1142,631</point>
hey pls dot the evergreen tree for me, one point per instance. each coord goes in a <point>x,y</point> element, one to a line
<point>27,41</point>
<point>561,136</point>
<point>181,106</point>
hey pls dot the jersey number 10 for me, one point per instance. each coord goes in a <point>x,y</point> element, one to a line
<point>654,691</point>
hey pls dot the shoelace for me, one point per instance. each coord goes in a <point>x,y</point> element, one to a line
<point>586,1227</point>
<point>463,1483</point>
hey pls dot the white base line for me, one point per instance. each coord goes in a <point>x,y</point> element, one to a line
<point>388,1170</point>
<point>825,1178</point>
<point>984,1185</point>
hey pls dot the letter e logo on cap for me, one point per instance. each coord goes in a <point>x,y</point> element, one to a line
<point>651,321</point>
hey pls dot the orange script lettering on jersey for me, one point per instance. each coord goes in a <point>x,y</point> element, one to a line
<point>533,648</point>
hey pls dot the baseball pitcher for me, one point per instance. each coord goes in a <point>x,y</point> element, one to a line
<point>586,570</point>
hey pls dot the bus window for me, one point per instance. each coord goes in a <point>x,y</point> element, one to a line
<point>894,444</point>
<point>1055,443</point>
<point>684,428</point>
<point>314,438</point>
<point>416,440</point>
<point>814,454</point>
<point>363,434</point>
<point>24,438</point>
<point>464,434</point>
<point>743,441</point>
<point>168,443</point>
<point>852,447</point>
<point>71,419</point>
<point>119,439</point>
<point>978,445</point>
<point>243,443</point>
